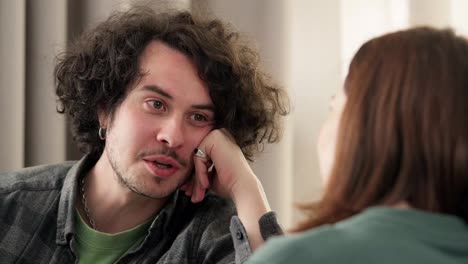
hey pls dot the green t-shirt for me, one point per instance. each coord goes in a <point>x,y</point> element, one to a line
<point>98,248</point>
<point>382,235</point>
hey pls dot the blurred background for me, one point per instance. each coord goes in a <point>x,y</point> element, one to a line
<point>305,45</point>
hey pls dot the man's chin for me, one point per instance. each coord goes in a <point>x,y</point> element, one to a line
<point>154,194</point>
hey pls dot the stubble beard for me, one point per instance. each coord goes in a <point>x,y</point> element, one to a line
<point>129,179</point>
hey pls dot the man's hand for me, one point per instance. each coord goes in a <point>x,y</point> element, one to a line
<point>222,167</point>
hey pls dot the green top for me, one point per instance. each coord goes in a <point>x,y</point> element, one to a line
<point>97,247</point>
<point>377,235</point>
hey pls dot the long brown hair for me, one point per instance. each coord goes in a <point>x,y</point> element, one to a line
<point>404,129</point>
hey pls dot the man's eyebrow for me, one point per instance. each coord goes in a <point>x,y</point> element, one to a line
<point>157,89</point>
<point>208,107</point>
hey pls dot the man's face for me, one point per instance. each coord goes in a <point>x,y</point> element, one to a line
<point>154,131</point>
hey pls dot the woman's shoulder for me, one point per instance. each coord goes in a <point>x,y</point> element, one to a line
<point>319,244</point>
<point>369,237</point>
<point>332,243</point>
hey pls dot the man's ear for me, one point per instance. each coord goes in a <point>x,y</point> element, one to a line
<point>103,117</point>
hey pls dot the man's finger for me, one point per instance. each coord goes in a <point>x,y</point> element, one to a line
<point>201,180</point>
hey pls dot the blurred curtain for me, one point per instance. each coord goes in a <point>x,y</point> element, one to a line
<point>30,32</point>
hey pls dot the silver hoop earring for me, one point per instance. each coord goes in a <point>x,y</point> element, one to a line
<point>102,133</point>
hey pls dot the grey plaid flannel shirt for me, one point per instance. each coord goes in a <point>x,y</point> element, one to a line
<point>37,219</point>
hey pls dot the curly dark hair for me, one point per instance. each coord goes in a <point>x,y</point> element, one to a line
<point>96,70</point>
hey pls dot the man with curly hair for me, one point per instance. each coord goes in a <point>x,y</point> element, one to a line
<point>167,108</point>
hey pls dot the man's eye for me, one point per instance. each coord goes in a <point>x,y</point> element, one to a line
<point>157,105</point>
<point>198,117</point>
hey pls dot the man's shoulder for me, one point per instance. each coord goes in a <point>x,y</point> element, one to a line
<point>29,202</point>
<point>42,177</point>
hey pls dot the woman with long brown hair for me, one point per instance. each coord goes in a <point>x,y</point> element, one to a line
<point>397,177</point>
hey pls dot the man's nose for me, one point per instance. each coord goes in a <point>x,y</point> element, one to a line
<point>171,132</point>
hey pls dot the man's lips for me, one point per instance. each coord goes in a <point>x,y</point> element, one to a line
<point>161,165</point>
<point>163,160</point>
